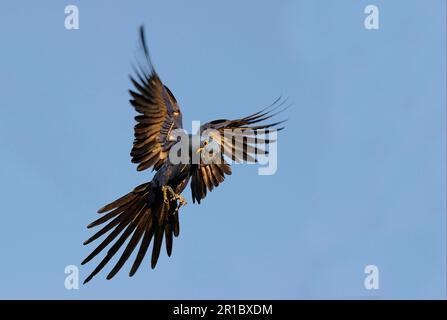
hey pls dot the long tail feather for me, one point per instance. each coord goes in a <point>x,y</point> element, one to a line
<point>140,215</point>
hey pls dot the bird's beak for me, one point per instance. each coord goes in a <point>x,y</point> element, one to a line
<point>199,150</point>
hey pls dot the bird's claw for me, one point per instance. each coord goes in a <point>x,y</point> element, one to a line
<point>165,190</point>
<point>174,196</point>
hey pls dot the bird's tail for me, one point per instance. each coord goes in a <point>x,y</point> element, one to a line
<point>142,214</point>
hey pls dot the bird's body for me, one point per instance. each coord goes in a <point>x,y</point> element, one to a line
<point>174,175</point>
<point>150,212</point>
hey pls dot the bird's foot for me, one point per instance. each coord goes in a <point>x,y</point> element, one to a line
<point>181,200</point>
<point>165,190</point>
<point>173,196</point>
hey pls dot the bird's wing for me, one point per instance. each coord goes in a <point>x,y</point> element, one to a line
<point>159,114</point>
<point>207,176</point>
<point>238,140</point>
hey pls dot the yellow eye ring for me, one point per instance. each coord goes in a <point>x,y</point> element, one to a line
<point>205,142</point>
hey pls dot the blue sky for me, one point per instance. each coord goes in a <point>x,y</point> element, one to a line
<point>361,165</point>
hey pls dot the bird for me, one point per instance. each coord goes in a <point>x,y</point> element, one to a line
<point>150,212</point>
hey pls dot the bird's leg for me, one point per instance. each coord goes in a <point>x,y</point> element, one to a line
<point>166,198</point>
<point>182,202</point>
<point>174,196</point>
<point>165,190</point>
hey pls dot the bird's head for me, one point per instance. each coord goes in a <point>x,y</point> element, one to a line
<point>209,151</point>
<point>203,144</point>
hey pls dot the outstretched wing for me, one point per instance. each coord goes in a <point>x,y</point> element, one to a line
<point>238,140</point>
<point>207,176</point>
<point>159,114</point>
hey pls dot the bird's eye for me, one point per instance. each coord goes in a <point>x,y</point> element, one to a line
<point>205,142</point>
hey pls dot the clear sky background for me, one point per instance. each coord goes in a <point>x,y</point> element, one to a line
<point>362,164</point>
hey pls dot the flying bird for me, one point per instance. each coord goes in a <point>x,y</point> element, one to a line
<point>150,212</point>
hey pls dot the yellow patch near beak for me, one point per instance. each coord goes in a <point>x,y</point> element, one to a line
<point>205,143</point>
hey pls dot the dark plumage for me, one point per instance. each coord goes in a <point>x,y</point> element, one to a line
<point>150,213</point>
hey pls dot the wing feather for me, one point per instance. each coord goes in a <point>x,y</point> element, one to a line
<point>159,114</point>
<point>250,138</point>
